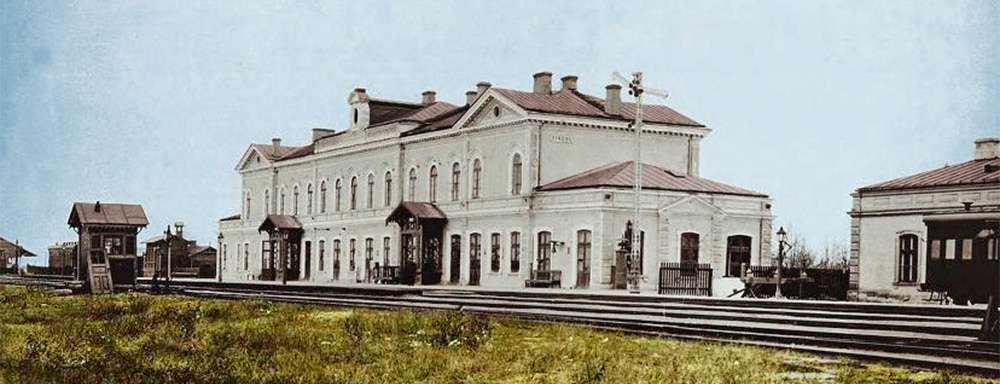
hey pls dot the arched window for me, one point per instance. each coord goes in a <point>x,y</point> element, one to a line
<point>281,201</point>
<point>386,248</point>
<point>354,193</point>
<point>295,200</point>
<point>907,270</point>
<point>371,190</point>
<point>322,196</point>
<point>352,263</point>
<point>267,202</point>
<point>388,189</point>
<point>413,185</point>
<point>336,196</point>
<point>248,206</point>
<point>433,182</point>
<point>456,175</point>
<point>737,254</point>
<point>336,259</point>
<point>544,250</point>
<point>515,175</point>
<point>477,173</point>
<point>309,199</point>
<point>689,247</point>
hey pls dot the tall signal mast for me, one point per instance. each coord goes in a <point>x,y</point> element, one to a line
<point>636,89</point>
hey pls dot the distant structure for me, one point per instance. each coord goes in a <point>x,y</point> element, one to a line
<point>511,189</point>
<point>107,244</point>
<point>187,258</point>
<point>935,231</point>
<point>62,258</point>
<point>10,255</point>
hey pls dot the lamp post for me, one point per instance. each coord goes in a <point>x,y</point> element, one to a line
<point>218,259</point>
<point>781,261</point>
<point>168,238</point>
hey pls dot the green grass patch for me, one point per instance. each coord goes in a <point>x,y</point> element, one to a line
<point>132,338</point>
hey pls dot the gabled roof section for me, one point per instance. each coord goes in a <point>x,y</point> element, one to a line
<point>571,102</point>
<point>9,247</point>
<point>382,111</point>
<point>441,121</point>
<point>287,153</point>
<point>423,115</point>
<point>107,214</point>
<point>621,175</point>
<point>231,218</point>
<point>273,222</point>
<point>972,172</point>
<point>419,211</point>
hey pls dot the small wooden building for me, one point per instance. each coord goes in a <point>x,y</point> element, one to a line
<point>10,254</point>
<point>107,243</point>
<point>187,258</point>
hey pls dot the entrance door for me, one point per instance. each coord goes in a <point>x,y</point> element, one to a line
<point>408,259</point>
<point>293,260</point>
<point>308,267</point>
<point>456,258</point>
<point>431,271</point>
<point>475,258</point>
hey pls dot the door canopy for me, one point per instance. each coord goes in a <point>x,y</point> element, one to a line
<point>281,223</point>
<point>410,211</point>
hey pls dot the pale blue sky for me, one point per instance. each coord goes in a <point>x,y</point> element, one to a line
<point>153,102</point>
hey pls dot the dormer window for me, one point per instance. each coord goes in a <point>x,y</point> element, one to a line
<point>355,115</point>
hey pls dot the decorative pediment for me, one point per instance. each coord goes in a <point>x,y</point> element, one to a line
<point>491,109</point>
<point>252,159</point>
<point>692,205</point>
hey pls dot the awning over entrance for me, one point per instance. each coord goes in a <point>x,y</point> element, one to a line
<point>279,222</point>
<point>424,213</point>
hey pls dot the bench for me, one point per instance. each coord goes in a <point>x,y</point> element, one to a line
<point>544,279</point>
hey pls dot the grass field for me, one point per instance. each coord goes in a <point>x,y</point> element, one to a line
<point>162,339</point>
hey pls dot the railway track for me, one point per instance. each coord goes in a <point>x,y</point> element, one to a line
<point>925,337</point>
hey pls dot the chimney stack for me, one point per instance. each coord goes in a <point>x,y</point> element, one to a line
<point>613,102</point>
<point>987,148</point>
<point>482,86</point>
<point>569,82</point>
<point>470,97</point>
<point>429,97</point>
<point>543,83</point>
<point>97,207</point>
<point>179,226</point>
<point>276,147</point>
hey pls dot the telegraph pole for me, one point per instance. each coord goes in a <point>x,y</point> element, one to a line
<point>636,89</point>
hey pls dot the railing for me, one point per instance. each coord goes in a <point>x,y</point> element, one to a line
<point>685,279</point>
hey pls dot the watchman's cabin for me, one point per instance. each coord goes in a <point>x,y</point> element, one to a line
<point>107,243</point>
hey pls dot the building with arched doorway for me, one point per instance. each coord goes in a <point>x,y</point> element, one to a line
<point>488,193</point>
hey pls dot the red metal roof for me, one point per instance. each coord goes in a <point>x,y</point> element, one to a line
<point>971,172</point>
<point>108,214</point>
<point>287,153</point>
<point>231,218</point>
<point>621,175</point>
<point>580,104</point>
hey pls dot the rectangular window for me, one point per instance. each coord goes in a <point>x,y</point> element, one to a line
<point>386,241</point>
<point>935,249</point>
<point>907,269</point>
<point>544,251</point>
<point>336,259</point>
<point>495,252</point>
<point>515,252</point>
<point>949,249</point>
<point>738,254</point>
<point>966,249</point>
<point>246,256</point>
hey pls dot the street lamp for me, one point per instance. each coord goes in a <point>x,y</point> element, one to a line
<point>218,259</point>
<point>781,261</point>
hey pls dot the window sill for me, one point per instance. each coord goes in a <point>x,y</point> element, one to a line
<point>905,284</point>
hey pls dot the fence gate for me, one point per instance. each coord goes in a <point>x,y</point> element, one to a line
<point>685,279</point>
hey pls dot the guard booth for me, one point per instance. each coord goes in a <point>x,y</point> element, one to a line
<point>421,228</point>
<point>106,247</point>
<point>963,255</point>
<point>280,252</point>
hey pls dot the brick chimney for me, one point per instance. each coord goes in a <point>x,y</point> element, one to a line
<point>482,86</point>
<point>470,97</point>
<point>543,83</point>
<point>179,226</point>
<point>429,97</point>
<point>987,148</point>
<point>276,147</point>
<point>569,82</point>
<point>613,101</point>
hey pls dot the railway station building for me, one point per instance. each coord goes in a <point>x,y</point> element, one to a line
<point>511,189</point>
<point>935,231</point>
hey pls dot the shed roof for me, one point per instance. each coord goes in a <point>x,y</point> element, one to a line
<point>972,172</point>
<point>9,247</point>
<point>279,222</point>
<point>622,175</point>
<point>107,214</point>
